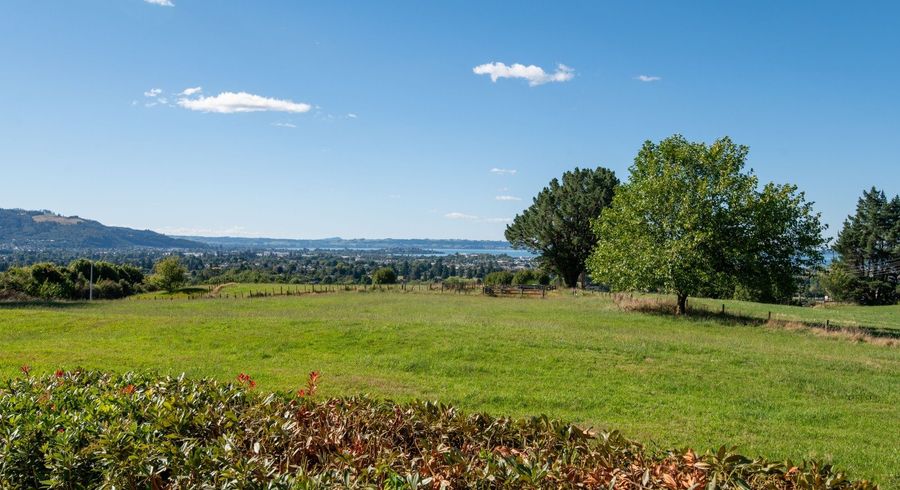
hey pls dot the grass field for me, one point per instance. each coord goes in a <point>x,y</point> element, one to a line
<point>666,381</point>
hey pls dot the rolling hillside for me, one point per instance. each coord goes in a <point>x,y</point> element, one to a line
<point>43,229</point>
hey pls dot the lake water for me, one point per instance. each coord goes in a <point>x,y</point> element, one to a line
<point>443,252</point>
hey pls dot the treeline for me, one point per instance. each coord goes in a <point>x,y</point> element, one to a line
<point>73,281</point>
<point>333,268</point>
<point>868,264</point>
<point>691,221</point>
<point>521,277</point>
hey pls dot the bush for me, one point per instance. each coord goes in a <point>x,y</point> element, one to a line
<point>87,429</point>
<point>52,282</point>
<point>108,289</point>
<point>498,278</point>
<point>385,275</point>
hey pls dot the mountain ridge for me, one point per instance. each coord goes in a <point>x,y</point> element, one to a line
<point>29,229</point>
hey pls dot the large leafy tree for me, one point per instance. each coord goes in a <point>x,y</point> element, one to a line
<point>869,248</point>
<point>169,274</point>
<point>691,221</point>
<point>557,226</point>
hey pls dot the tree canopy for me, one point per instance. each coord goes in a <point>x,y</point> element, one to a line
<point>557,225</point>
<point>869,247</point>
<point>169,274</point>
<point>384,275</point>
<point>690,221</point>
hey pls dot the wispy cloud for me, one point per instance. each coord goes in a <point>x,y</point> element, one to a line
<point>284,125</point>
<point>533,73</point>
<point>191,91</point>
<point>503,171</point>
<point>153,92</point>
<point>475,219</point>
<point>508,198</point>
<point>236,102</point>
<point>647,78</point>
<point>162,3</point>
<point>352,115</point>
<point>460,216</point>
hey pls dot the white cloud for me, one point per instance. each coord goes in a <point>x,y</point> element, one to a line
<point>504,171</point>
<point>647,78</point>
<point>460,216</point>
<point>153,92</point>
<point>162,3</point>
<point>352,115</point>
<point>284,125</point>
<point>508,198</point>
<point>191,91</point>
<point>534,74</point>
<point>234,102</point>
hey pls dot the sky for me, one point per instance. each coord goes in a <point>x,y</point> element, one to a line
<point>424,119</point>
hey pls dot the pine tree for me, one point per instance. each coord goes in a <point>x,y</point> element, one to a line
<point>869,248</point>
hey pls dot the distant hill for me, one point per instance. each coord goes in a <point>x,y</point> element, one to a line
<point>353,243</point>
<point>43,229</point>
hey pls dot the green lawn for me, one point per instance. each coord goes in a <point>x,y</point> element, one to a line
<point>882,317</point>
<point>665,381</point>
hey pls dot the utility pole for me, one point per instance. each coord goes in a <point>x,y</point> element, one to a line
<point>91,283</point>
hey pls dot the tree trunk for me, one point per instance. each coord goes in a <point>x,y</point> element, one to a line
<point>681,309</point>
<point>571,278</point>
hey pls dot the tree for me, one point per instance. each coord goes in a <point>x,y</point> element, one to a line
<point>385,275</point>
<point>169,274</point>
<point>557,225</point>
<point>690,221</point>
<point>869,248</point>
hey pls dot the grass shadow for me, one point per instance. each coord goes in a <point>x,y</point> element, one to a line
<point>35,303</point>
<point>662,308</point>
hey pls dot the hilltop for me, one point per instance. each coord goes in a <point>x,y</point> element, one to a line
<point>44,229</point>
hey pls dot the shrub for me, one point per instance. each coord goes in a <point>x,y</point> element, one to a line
<point>87,429</point>
<point>498,278</point>
<point>524,276</point>
<point>108,289</point>
<point>385,275</point>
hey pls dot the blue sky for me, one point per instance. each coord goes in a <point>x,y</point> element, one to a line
<point>377,122</point>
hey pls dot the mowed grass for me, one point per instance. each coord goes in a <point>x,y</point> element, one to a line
<point>666,381</point>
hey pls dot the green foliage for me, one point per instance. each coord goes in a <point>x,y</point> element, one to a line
<point>869,246</point>
<point>384,275</point>
<point>457,282</point>
<point>86,429</point>
<point>498,278</point>
<point>530,277</point>
<point>691,222</point>
<point>558,223</point>
<point>839,282</point>
<point>169,274</point>
<point>52,282</point>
